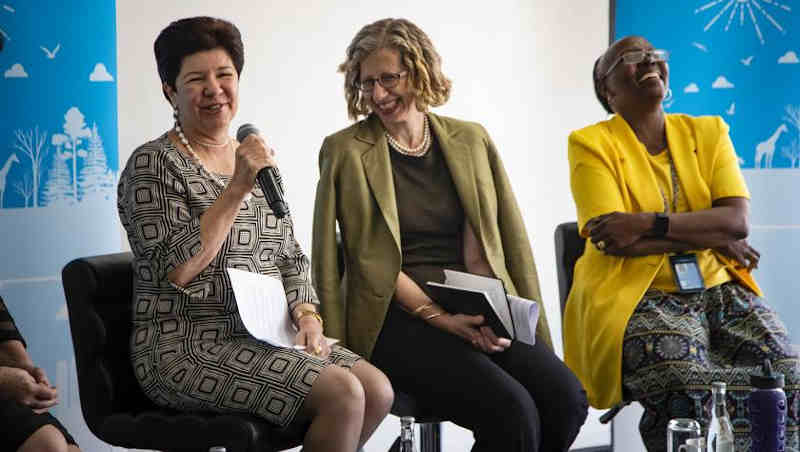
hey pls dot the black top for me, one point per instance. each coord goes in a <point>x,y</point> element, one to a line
<point>8,330</point>
<point>430,215</point>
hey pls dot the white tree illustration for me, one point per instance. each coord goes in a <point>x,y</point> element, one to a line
<point>76,130</point>
<point>94,182</point>
<point>58,189</point>
<point>25,188</point>
<point>33,144</point>
<point>792,152</point>
<point>792,116</point>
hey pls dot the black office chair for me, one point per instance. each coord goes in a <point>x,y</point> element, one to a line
<point>430,426</point>
<point>99,292</point>
<point>569,247</point>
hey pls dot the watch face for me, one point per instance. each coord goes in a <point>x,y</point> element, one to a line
<point>661,225</point>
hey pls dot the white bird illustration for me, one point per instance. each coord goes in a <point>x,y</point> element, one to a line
<point>700,46</point>
<point>746,61</point>
<point>8,8</point>
<point>732,109</point>
<point>51,53</point>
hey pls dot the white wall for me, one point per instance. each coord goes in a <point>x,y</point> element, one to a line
<point>521,68</point>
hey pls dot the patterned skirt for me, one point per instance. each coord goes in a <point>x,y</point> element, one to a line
<point>676,345</point>
<point>237,374</point>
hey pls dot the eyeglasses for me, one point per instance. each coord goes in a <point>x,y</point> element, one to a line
<point>387,80</point>
<point>637,56</point>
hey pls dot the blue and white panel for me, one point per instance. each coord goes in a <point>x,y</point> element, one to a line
<point>58,170</point>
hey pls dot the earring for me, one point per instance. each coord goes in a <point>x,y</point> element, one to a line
<point>667,96</point>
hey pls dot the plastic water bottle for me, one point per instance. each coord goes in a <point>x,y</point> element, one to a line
<point>720,430</point>
<point>767,411</point>
<point>407,434</point>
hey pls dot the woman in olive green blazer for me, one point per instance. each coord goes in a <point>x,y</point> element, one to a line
<point>414,193</point>
<point>356,175</point>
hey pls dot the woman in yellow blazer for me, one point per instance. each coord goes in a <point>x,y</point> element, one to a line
<point>414,193</point>
<point>658,194</point>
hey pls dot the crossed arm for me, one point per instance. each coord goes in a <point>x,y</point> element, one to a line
<point>723,227</point>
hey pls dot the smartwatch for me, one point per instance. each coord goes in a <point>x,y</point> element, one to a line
<point>661,225</point>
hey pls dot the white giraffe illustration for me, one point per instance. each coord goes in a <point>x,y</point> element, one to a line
<point>4,172</point>
<point>767,148</point>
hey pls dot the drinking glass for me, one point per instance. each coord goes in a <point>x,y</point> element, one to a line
<point>679,430</point>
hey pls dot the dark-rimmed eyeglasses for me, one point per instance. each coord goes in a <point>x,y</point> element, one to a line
<point>387,80</point>
<point>637,56</point>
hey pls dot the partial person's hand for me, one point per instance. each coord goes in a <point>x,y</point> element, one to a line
<point>310,336</point>
<point>252,154</point>
<point>18,384</point>
<point>742,253</point>
<point>466,327</point>
<point>38,374</point>
<point>614,231</point>
<point>490,343</point>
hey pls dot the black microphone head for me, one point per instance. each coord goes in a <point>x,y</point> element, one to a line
<point>245,130</point>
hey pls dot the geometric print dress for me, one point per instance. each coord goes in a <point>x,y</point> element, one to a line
<point>189,348</point>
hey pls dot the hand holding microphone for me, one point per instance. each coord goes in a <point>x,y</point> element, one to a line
<point>267,177</point>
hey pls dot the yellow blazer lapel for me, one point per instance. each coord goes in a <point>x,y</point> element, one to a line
<point>683,149</point>
<point>378,169</point>
<point>637,173</point>
<point>458,156</point>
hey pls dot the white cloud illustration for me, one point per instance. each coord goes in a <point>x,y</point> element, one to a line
<point>788,58</point>
<point>100,74</point>
<point>62,314</point>
<point>691,88</point>
<point>721,83</point>
<point>16,71</point>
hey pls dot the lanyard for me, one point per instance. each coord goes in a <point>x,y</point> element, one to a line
<point>675,186</point>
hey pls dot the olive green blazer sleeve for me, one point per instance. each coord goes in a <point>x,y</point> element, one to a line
<point>324,263</point>
<point>516,250</point>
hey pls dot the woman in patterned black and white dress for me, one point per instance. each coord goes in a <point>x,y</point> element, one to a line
<point>190,207</point>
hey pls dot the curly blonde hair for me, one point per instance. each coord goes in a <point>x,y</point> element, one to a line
<point>428,84</point>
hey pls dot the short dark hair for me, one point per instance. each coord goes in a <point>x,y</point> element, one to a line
<point>596,81</point>
<point>187,36</point>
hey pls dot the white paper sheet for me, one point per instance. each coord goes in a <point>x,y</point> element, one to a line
<point>262,305</point>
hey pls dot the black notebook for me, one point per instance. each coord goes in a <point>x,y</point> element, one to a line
<point>509,316</point>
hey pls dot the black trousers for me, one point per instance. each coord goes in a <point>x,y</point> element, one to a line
<point>523,399</point>
<point>18,423</point>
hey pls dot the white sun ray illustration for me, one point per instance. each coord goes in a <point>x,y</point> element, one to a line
<point>746,10</point>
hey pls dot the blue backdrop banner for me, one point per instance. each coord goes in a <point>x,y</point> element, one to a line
<point>58,170</point>
<point>734,58</point>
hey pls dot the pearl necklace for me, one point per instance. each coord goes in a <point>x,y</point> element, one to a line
<point>196,158</point>
<point>418,151</point>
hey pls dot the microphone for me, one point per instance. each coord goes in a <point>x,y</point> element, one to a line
<point>267,177</point>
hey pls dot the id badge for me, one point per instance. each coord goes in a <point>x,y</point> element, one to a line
<point>687,273</point>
